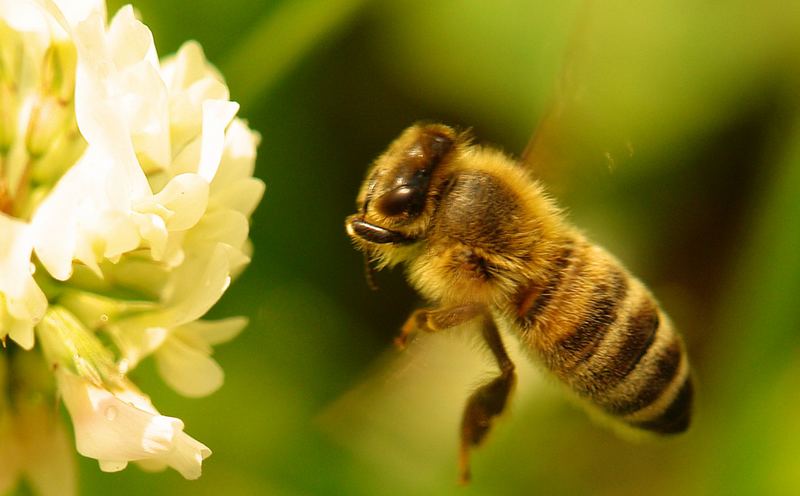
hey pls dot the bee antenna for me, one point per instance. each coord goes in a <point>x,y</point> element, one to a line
<point>369,273</point>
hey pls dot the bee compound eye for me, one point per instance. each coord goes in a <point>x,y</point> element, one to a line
<point>439,146</point>
<point>404,199</point>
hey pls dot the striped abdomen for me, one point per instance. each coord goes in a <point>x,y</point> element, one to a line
<point>601,332</point>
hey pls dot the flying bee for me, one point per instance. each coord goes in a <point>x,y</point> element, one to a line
<point>483,242</point>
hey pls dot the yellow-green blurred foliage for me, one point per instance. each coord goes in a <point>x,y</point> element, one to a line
<point>676,145</point>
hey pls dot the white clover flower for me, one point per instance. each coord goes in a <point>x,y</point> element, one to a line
<point>119,426</point>
<point>126,189</point>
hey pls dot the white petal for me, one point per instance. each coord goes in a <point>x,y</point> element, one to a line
<point>186,197</point>
<point>141,94</point>
<point>188,158</point>
<point>121,235</point>
<point>187,456</point>
<point>22,303</point>
<point>123,426</point>
<point>213,332</point>
<point>111,465</point>
<point>50,17</point>
<point>16,243</point>
<point>98,103</point>
<point>55,226</point>
<point>237,258</point>
<point>191,81</point>
<point>23,15</point>
<point>187,67</point>
<point>22,334</point>
<point>217,114</point>
<point>196,285</point>
<point>223,226</point>
<point>143,104</point>
<point>129,40</point>
<point>242,196</point>
<point>233,185</point>
<point>86,217</point>
<point>153,228</point>
<point>76,10</point>
<point>187,370</point>
<point>109,429</point>
<point>238,162</point>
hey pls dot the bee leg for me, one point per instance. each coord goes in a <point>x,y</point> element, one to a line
<point>487,402</point>
<point>433,320</point>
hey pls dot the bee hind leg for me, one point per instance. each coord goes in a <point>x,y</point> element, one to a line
<point>490,399</point>
<point>487,402</point>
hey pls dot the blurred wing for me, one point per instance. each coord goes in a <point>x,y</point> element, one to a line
<point>404,417</point>
<point>546,149</point>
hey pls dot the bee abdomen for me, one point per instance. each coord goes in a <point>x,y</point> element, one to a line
<point>629,339</point>
<point>640,372</point>
<point>582,343</point>
<point>600,331</point>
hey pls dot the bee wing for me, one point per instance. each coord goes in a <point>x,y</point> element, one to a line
<point>546,149</point>
<point>404,417</point>
<point>406,412</point>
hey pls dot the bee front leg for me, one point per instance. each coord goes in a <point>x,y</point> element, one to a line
<point>433,320</point>
<point>488,401</point>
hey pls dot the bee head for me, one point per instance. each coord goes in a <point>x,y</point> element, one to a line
<point>399,194</point>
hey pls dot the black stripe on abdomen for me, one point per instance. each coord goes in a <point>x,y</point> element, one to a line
<point>658,375</point>
<point>635,336</point>
<point>676,417</point>
<point>580,344</point>
<point>535,301</point>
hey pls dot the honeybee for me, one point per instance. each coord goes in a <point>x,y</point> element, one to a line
<point>483,242</point>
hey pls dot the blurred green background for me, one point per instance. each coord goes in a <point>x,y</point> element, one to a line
<point>674,141</point>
